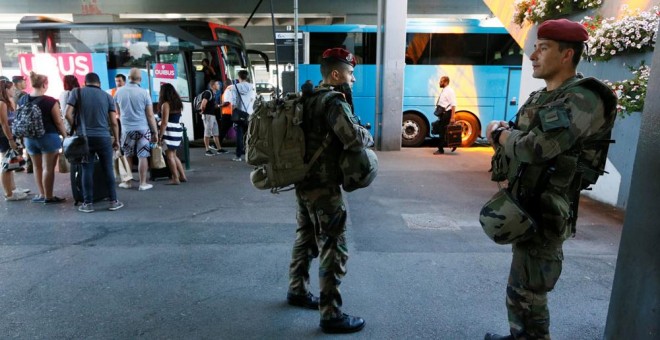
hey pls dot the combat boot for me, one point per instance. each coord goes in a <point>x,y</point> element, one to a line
<point>492,336</point>
<point>306,301</point>
<point>343,324</point>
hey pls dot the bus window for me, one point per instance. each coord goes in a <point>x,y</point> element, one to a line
<point>458,49</point>
<point>417,51</point>
<point>14,43</point>
<point>95,39</point>
<point>181,84</point>
<point>363,45</point>
<point>503,50</point>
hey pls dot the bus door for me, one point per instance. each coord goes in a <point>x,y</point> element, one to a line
<point>198,82</point>
<point>513,91</point>
<point>176,68</point>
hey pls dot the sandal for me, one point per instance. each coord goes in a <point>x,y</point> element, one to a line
<point>54,199</point>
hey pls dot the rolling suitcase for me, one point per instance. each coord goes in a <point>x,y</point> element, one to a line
<point>453,136</point>
<point>100,186</point>
<point>160,174</point>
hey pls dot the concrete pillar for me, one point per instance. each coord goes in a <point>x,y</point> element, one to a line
<point>391,62</point>
<point>634,311</point>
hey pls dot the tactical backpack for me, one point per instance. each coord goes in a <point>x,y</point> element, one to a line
<point>558,187</point>
<point>197,101</point>
<point>29,120</point>
<point>276,143</point>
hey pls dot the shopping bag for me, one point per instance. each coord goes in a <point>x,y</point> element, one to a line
<point>157,159</point>
<point>123,171</point>
<point>62,164</point>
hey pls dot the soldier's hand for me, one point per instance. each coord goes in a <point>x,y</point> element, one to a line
<point>492,126</point>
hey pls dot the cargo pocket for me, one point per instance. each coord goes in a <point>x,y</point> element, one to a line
<point>555,216</point>
<point>332,217</point>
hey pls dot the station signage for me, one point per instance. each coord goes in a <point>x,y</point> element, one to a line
<point>285,45</point>
<point>165,71</point>
<point>163,74</point>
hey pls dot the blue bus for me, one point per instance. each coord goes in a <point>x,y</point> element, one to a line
<point>481,59</point>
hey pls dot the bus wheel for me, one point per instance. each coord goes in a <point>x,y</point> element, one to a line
<point>413,130</point>
<point>470,126</point>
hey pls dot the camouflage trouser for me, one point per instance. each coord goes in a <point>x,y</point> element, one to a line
<point>321,226</point>
<point>530,279</point>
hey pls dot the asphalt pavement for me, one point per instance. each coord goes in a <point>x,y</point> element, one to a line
<point>208,259</point>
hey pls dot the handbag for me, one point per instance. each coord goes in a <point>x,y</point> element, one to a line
<point>238,115</point>
<point>12,161</point>
<point>157,159</point>
<point>76,148</point>
<point>123,172</point>
<point>436,127</point>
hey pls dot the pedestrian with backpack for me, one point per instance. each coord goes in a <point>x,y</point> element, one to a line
<point>40,124</point>
<point>329,127</point>
<point>207,108</point>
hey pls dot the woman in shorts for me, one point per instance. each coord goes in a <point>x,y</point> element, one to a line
<point>45,149</point>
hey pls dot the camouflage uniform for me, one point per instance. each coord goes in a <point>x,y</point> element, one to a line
<point>321,212</point>
<point>550,124</point>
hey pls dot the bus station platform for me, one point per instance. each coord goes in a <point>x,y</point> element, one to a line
<point>208,259</point>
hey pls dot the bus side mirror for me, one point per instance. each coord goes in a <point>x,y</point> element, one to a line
<point>263,56</point>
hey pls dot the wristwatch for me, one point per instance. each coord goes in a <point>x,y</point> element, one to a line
<point>496,134</point>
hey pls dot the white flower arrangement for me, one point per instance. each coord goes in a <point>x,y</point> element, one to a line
<point>632,92</point>
<point>537,11</point>
<point>635,32</point>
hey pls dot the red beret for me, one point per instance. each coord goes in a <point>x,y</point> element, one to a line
<point>562,30</point>
<point>341,55</point>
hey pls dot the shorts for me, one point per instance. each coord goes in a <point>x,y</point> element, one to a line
<point>48,143</point>
<point>210,126</point>
<point>136,143</point>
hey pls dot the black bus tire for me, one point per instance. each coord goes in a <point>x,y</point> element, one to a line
<point>470,125</point>
<point>413,130</point>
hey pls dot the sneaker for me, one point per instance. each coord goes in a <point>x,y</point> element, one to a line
<point>125,185</point>
<point>86,208</point>
<point>453,149</point>
<point>23,190</point>
<point>38,199</point>
<point>222,151</point>
<point>439,152</point>
<point>209,153</point>
<point>16,196</point>
<point>237,159</point>
<point>115,205</point>
<point>212,147</point>
<point>144,187</point>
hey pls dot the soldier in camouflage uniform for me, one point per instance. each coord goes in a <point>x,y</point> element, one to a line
<point>543,149</point>
<point>330,125</point>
